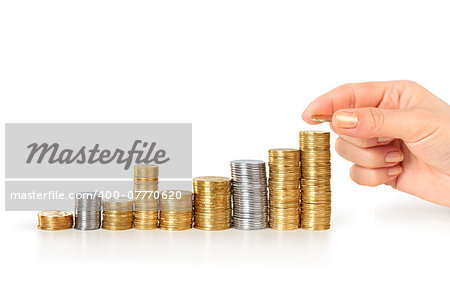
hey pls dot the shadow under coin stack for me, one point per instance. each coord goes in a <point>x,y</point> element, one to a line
<point>87,211</point>
<point>176,210</point>
<point>249,188</point>
<point>212,203</point>
<point>117,213</point>
<point>55,220</point>
<point>284,188</point>
<point>315,181</point>
<point>146,196</point>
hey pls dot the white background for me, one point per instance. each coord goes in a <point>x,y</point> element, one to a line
<point>242,72</point>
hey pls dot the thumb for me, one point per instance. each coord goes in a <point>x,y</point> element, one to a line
<point>409,124</point>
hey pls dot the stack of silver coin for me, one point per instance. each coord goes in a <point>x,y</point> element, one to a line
<point>249,189</point>
<point>87,211</point>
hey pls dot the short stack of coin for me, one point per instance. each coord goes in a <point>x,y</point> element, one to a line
<point>117,213</point>
<point>146,196</point>
<point>212,203</point>
<point>315,181</point>
<point>284,188</point>
<point>176,210</point>
<point>87,211</point>
<point>249,188</point>
<point>55,220</point>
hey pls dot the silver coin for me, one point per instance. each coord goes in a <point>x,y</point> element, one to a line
<point>249,190</point>
<point>87,211</point>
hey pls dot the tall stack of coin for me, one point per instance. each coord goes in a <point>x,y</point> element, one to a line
<point>117,213</point>
<point>212,203</point>
<point>146,196</point>
<point>55,220</point>
<point>176,210</point>
<point>315,182</point>
<point>249,188</point>
<point>87,211</point>
<point>284,188</point>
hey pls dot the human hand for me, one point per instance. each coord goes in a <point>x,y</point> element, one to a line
<point>396,133</point>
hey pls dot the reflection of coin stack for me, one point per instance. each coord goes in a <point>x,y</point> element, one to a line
<point>146,197</point>
<point>87,211</point>
<point>117,213</point>
<point>55,220</point>
<point>284,192</point>
<point>212,203</point>
<point>249,185</point>
<point>315,182</point>
<point>176,210</point>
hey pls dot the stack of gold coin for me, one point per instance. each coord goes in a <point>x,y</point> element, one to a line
<point>176,210</point>
<point>284,191</point>
<point>212,203</point>
<point>315,181</point>
<point>55,220</point>
<point>146,196</point>
<point>117,213</point>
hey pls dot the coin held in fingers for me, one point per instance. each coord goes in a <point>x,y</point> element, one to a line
<point>321,118</point>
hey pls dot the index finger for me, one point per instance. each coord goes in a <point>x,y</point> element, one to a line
<point>357,95</point>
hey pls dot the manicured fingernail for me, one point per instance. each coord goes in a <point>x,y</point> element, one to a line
<point>394,171</point>
<point>394,156</point>
<point>346,119</point>
<point>384,140</point>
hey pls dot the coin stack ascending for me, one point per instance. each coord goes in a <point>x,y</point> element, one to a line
<point>284,188</point>
<point>117,213</point>
<point>87,211</point>
<point>249,188</point>
<point>212,203</point>
<point>315,181</point>
<point>146,196</point>
<point>55,220</point>
<point>176,210</point>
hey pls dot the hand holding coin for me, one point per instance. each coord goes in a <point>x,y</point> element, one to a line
<point>396,133</point>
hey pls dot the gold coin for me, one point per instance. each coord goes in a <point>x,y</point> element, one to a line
<point>55,220</point>
<point>284,188</point>
<point>212,203</point>
<point>176,220</point>
<point>117,213</point>
<point>315,211</point>
<point>322,118</point>
<point>146,197</point>
<point>146,220</point>
<point>146,171</point>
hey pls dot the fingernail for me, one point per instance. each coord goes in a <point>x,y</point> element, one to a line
<point>394,156</point>
<point>384,140</point>
<point>346,119</point>
<point>394,171</point>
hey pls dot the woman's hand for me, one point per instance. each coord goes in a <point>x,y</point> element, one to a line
<point>396,133</point>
